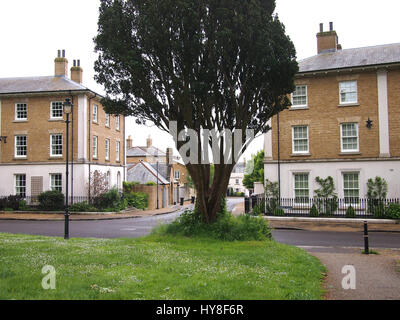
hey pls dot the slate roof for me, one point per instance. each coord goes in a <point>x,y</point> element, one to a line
<point>145,152</point>
<point>39,84</point>
<point>143,172</point>
<point>351,58</point>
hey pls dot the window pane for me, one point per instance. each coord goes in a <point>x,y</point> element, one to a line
<point>56,109</point>
<point>300,96</point>
<point>21,111</point>
<point>20,185</point>
<point>351,187</point>
<point>20,146</point>
<point>349,136</point>
<point>56,182</point>
<point>56,145</point>
<point>348,91</point>
<point>301,188</point>
<point>300,139</point>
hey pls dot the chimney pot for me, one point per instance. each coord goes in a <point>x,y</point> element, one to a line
<point>321,27</point>
<point>79,63</point>
<point>59,54</point>
<point>63,53</point>
<point>330,26</point>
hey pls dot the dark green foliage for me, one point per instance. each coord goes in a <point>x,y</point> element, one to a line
<point>10,202</point>
<point>254,171</point>
<point>393,211</point>
<point>326,198</point>
<point>279,212</point>
<point>204,64</point>
<point>350,212</point>
<point>151,183</point>
<point>138,200</point>
<point>109,201</point>
<point>259,209</point>
<point>127,186</point>
<point>314,211</point>
<point>82,207</point>
<point>51,201</point>
<point>227,227</point>
<point>377,189</point>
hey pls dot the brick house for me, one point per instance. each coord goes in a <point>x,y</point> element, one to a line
<point>32,159</point>
<point>344,122</point>
<point>171,173</point>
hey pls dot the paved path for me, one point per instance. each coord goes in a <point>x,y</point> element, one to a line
<point>377,277</point>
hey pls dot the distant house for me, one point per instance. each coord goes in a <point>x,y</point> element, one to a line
<point>236,179</point>
<point>344,122</point>
<point>142,165</point>
<point>33,155</point>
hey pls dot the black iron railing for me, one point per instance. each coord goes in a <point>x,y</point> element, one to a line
<point>320,207</point>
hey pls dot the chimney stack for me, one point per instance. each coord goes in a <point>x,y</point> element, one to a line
<point>149,142</point>
<point>76,72</point>
<point>61,64</point>
<point>169,156</point>
<point>129,142</point>
<point>327,41</point>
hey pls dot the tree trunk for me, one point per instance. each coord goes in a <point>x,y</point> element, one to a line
<point>209,198</point>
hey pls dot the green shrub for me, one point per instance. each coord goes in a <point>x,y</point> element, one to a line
<point>279,212</point>
<point>13,202</point>
<point>82,207</point>
<point>110,200</point>
<point>393,211</point>
<point>22,205</point>
<point>127,186</point>
<point>151,183</point>
<point>259,209</point>
<point>226,228</point>
<point>314,211</point>
<point>3,203</point>
<point>138,200</point>
<point>350,212</point>
<point>51,201</point>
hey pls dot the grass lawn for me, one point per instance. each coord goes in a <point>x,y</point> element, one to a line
<point>157,267</point>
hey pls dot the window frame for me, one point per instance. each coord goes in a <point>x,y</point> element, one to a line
<point>307,199</point>
<point>293,140</point>
<point>107,146</point>
<point>107,120</point>
<point>95,115</point>
<point>51,146</point>
<point>342,137</point>
<point>117,151</point>
<point>16,146</point>
<point>51,110</point>
<point>51,182</point>
<point>341,102</point>
<point>351,199</point>
<point>16,112</point>
<point>95,146</point>
<point>15,185</point>
<point>117,123</point>
<point>299,106</point>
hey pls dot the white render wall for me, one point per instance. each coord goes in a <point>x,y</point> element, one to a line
<point>389,170</point>
<point>81,176</point>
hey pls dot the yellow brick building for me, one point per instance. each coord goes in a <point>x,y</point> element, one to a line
<point>33,154</point>
<point>344,122</point>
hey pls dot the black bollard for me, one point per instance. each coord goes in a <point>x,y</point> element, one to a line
<point>366,240</point>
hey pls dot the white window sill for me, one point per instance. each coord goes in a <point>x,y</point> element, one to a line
<point>56,119</point>
<point>305,154</point>
<point>294,108</point>
<point>20,120</point>
<point>56,157</point>
<point>350,153</point>
<point>349,104</point>
<point>20,157</point>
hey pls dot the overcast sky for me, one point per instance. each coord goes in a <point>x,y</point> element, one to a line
<point>31,32</point>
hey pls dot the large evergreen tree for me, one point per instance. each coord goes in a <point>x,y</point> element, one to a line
<point>207,64</point>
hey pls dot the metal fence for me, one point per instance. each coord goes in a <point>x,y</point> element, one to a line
<point>34,201</point>
<point>331,207</point>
